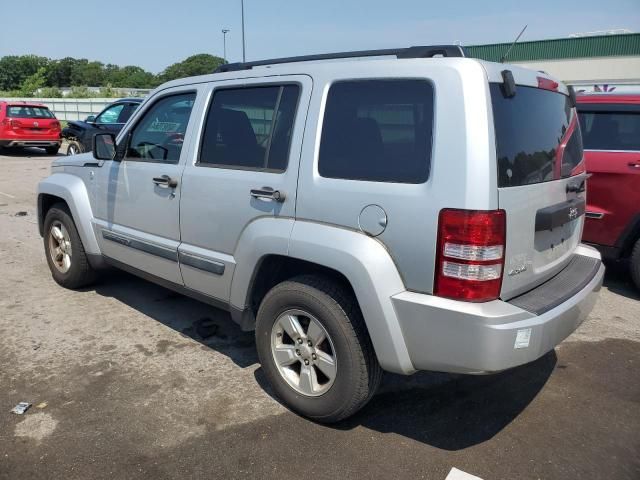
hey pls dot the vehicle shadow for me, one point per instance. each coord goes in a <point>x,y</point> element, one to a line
<point>618,280</point>
<point>26,152</point>
<point>203,323</point>
<point>448,411</point>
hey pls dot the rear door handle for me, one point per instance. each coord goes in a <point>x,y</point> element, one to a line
<point>165,181</point>
<point>634,164</point>
<point>268,193</point>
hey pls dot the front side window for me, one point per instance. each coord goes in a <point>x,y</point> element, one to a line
<point>610,130</point>
<point>110,115</point>
<point>250,128</point>
<point>27,111</point>
<point>159,135</point>
<point>378,130</point>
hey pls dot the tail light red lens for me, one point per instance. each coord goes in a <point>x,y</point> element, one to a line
<point>55,125</point>
<point>470,255</point>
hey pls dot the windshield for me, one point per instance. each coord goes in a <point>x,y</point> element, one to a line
<point>28,111</point>
<point>538,136</point>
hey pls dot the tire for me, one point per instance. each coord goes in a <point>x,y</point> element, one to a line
<point>78,273</point>
<point>333,306</point>
<point>74,147</point>
<point>52,150</point>
<point>634,264</point>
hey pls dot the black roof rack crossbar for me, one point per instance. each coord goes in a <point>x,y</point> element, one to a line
<point>410,52</point>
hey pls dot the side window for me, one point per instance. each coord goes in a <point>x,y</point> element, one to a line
<point>126,112</point>
<point>377,130</point>
<point>250,128</point>
<point>610,130</point>
<point>159,135</point>
<point>110,115</point>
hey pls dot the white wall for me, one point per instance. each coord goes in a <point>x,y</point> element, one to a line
<point>598,70</point>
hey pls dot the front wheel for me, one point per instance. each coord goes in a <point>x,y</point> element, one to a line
<point>74,148</point>
<point>315,350</point>
<point>65,253</point>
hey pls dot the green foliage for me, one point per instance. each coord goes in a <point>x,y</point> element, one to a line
<point>199,64</point>
<point>24,74</point>
<point>50,92</point>
<point>15,69</point>
<point>80,92</point>
<point>33,82</point>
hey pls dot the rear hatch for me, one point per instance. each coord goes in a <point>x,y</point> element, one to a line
<point>541,181</point>
<point>32,120</point>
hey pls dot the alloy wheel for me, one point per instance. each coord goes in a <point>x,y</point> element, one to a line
<point>303,353</point>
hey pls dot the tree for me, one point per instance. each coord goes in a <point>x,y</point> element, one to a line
<point>59,72</point>
<point>15,69</point>
<point>32,83</point>
<point>199,64</point>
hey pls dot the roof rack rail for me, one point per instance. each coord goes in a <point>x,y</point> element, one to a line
<point>410,52</point>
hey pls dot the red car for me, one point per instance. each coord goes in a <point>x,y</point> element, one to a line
<point>611,135</point>
<point>24,124</point>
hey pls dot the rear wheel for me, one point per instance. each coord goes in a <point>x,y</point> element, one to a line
<point>634,264</point>
<point>315,350</point>
<point>65,253</point>
<point>52,150</point>
<point>74,148</point>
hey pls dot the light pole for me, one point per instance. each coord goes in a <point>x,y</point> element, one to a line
<point>224,43</point>
<point>244,57</point>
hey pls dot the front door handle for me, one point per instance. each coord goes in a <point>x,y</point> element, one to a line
<point>165,181</point>
<point>268,193</point>
<point>634,164</point>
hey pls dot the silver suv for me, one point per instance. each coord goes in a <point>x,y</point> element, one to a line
<point>409,210</point>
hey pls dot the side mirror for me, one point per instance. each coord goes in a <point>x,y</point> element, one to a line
<point>104,146</point>
<point>90,119</point>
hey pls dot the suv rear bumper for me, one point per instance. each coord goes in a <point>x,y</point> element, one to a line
<point>453,336</point>
<point>29,143</point>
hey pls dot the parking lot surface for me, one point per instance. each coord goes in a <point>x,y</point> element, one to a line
<point>129,380</point>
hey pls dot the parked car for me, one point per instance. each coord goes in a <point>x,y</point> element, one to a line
<point>79,134</point>
<point>611,133</point>
<point>26,124</point>
<point>406,213</point>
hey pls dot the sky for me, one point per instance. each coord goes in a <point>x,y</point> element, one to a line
<point>156,33</point>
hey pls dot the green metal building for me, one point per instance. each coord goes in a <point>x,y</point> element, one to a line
<point>587,61</point>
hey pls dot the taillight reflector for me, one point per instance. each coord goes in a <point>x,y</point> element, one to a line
<point>470,255</point>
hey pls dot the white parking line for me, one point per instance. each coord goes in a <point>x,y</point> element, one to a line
<point>7,195</point>
<point>456,474</point>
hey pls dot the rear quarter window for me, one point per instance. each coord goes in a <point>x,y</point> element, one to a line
<point>377,130</point>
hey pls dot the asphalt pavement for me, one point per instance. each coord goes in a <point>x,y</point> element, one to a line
<point>129,380</point>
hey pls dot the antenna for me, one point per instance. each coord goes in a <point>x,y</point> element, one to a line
<point>506,54</point>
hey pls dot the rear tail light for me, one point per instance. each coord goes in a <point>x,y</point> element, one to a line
<point>55,125</point>
<point>8,122</point>
<point>470,255</point>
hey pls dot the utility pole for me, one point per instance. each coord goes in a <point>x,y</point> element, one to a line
<point>224,43</point>
<point>244,57</point>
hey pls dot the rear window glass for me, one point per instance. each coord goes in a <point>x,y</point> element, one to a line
<point>377,130</point>
<point>26,111</point>
<point>538,136</point>
<point>610,130</point>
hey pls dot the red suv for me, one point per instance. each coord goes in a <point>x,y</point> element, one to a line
<point>611,134</point>
<point>25,124</point>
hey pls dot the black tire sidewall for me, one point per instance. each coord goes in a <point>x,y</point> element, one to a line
<point>289,296</point>
<point>74,276</point>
